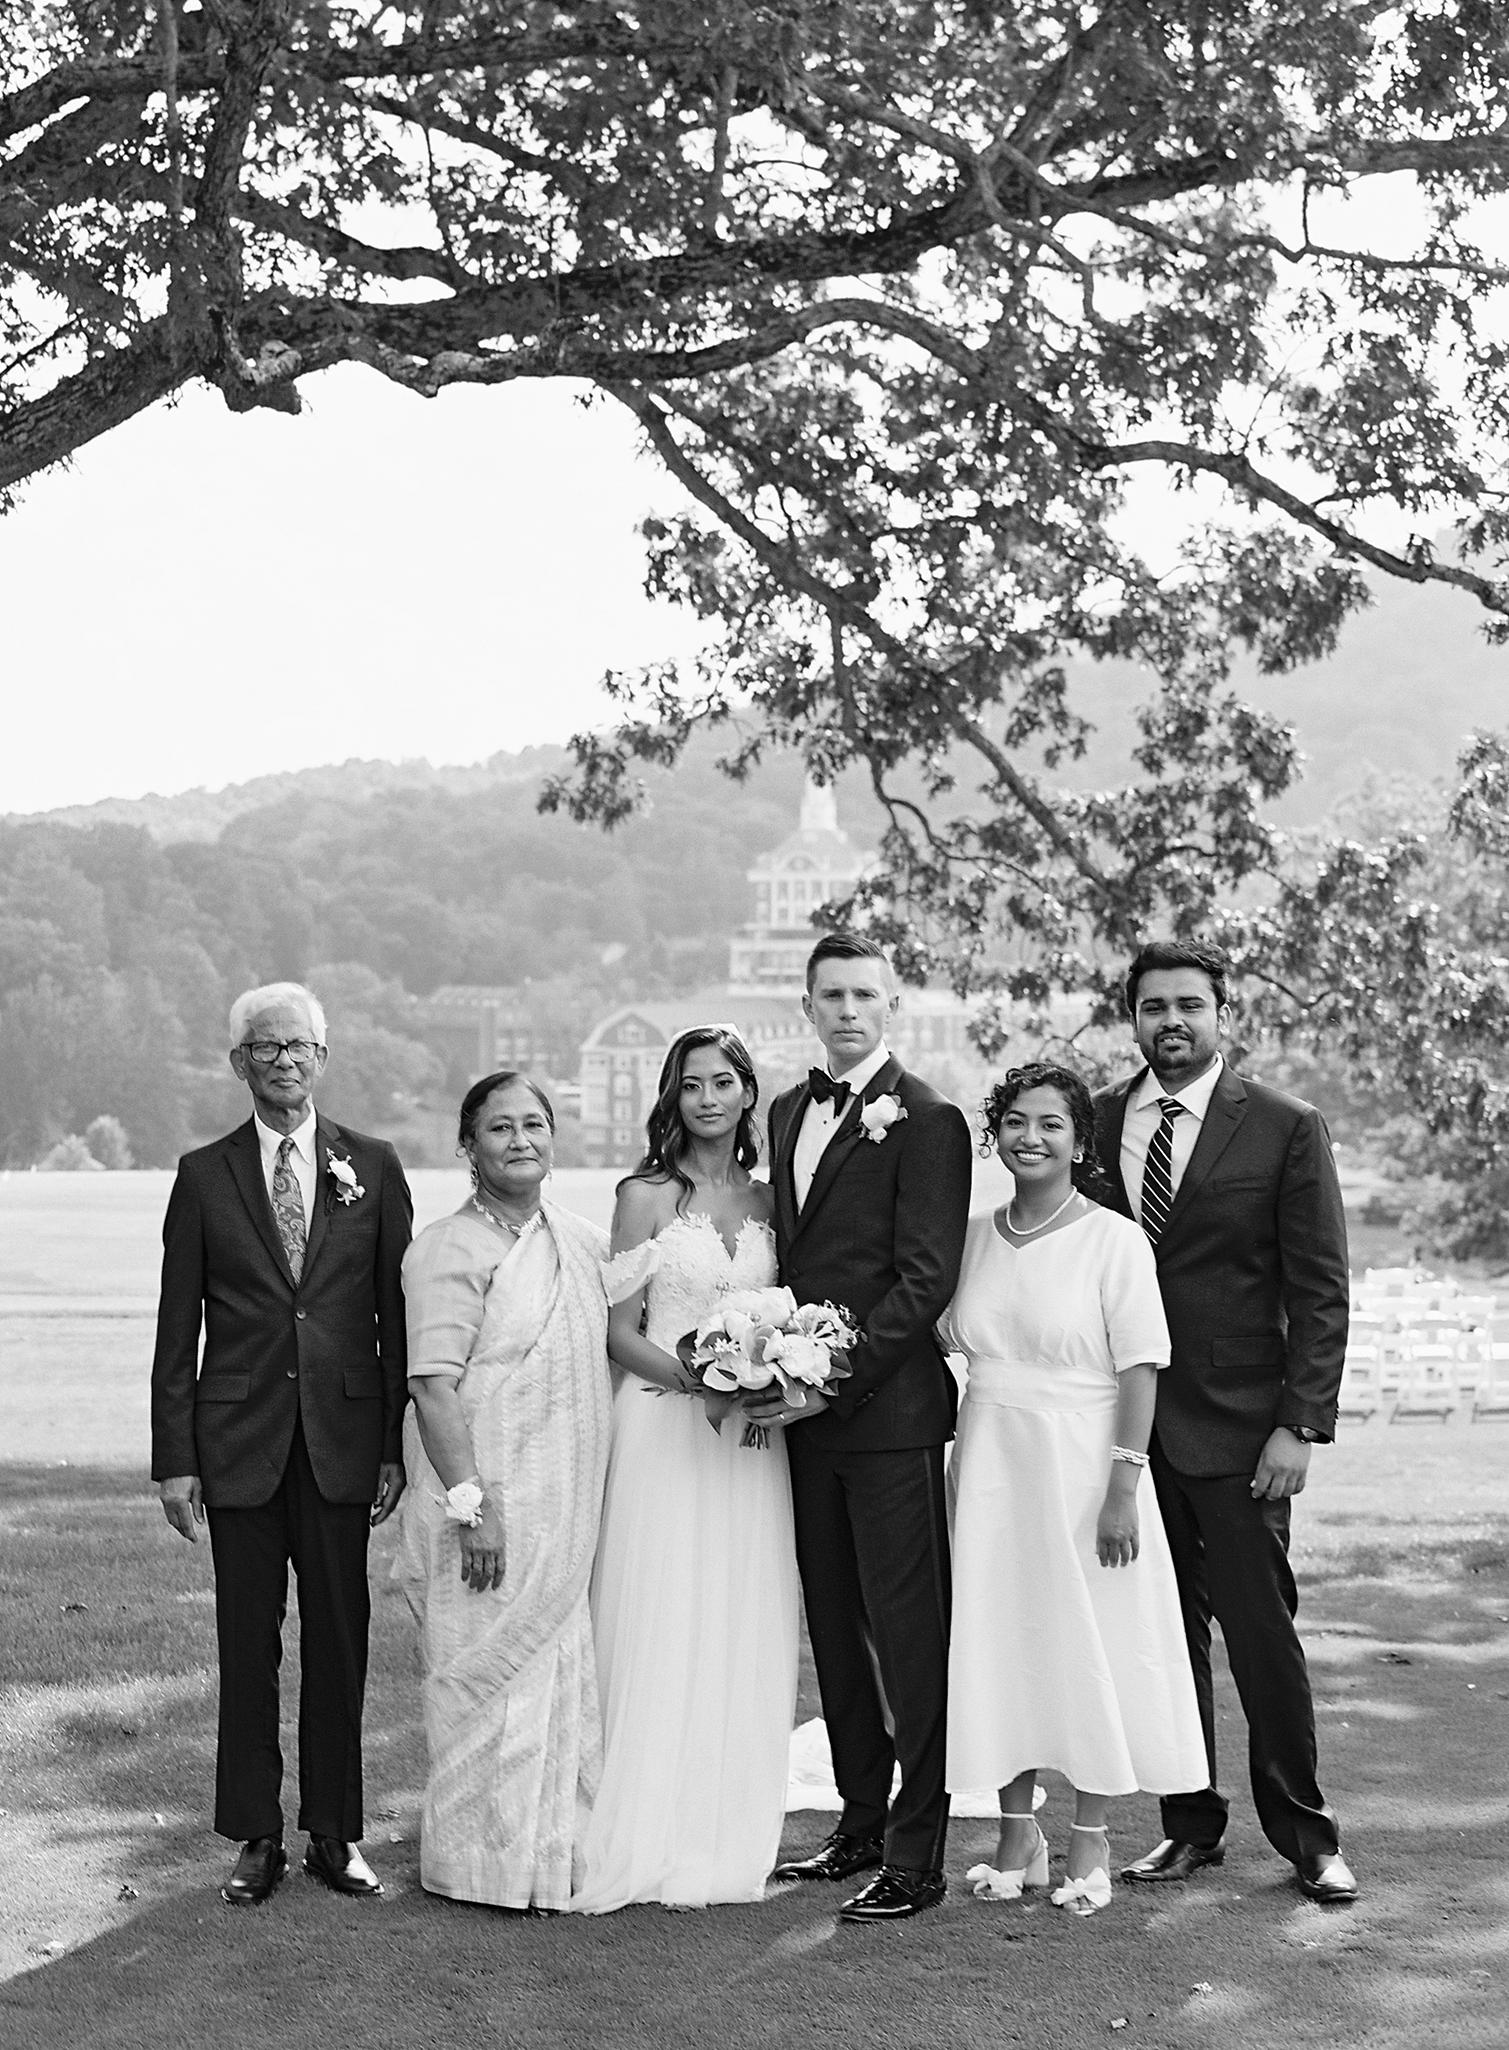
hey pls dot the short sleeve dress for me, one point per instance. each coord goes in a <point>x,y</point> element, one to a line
<point>1059,1662</point>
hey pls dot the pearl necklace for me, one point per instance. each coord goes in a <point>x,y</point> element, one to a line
<point>1027,1231</point>
<point>519,1231</point>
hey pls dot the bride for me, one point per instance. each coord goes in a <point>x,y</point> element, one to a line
<point>694,1595</point>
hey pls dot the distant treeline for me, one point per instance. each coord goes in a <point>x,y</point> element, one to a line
<point>120,952</point>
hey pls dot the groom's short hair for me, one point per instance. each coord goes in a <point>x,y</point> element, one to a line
<point>844,946</point>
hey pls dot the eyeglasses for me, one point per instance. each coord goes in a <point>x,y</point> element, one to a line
<point>265,1051</point>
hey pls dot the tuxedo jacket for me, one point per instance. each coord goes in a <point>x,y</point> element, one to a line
<point>329,1350</point>
<point>1252,1263</point>
<point>881,1234</point>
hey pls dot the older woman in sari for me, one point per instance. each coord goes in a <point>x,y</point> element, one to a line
<point>506,1450</point>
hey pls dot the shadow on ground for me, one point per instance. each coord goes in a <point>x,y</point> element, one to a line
<point>107,1718</point>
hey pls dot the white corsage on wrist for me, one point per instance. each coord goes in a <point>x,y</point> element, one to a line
<point>877,1117</point>
<point>343,1174</point>
<point>463,1504</point>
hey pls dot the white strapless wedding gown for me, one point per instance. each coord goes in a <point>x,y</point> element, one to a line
<point>694,1605</point>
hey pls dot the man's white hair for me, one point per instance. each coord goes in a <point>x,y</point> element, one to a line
<point>251,1001</point>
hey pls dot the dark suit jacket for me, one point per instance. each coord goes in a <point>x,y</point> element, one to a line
<point>1253,1268</point>
<point>881,1234</point>
<point>330,1351</point>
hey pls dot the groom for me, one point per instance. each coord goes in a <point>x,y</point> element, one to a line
<point>872,1181</point>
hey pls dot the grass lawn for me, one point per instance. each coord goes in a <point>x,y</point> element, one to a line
<point>114,1933</point>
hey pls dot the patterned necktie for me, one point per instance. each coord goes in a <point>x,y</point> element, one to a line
<point>1157,1175</point>
<point>826,1090</point>
<point>288,1207</point>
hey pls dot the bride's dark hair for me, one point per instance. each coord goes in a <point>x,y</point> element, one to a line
<point>666,1137</point>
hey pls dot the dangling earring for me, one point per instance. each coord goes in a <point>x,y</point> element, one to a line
<point>471,1168</point>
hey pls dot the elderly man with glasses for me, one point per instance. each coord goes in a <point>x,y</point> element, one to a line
<point>282,1247</point>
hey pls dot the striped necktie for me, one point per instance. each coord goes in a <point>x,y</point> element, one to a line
<point>288,1207</point>
<point>1157,1175</point>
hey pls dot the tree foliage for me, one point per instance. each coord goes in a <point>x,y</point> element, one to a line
<point>907,295</point>
<point>119,957</point>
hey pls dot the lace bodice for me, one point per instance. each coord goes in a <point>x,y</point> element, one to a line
<point>686,1268</point>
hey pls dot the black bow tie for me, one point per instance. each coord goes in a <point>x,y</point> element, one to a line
<point>826,1090</point>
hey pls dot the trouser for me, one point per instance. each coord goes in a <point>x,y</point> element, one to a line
<point>326,1542</point>
<point>1231,1558</point>
<point>872,1546</point>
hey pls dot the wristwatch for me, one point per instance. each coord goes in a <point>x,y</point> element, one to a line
<point>1306,1436</point>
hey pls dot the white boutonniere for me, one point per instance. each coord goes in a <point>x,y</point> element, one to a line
<point>343,1175</point>
<point>878,1116</point>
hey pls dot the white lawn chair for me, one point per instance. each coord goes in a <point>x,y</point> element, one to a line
<point>1491,1397</point>
<point>1442,1327</point>
<point>1476,1311</point>
<point>1390,1280</point>
<point>1428,1384</point>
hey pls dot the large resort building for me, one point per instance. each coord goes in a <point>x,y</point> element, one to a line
<point>622,1057</point>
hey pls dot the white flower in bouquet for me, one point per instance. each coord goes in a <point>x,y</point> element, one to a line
<point>826,1322</point>
<point>728,1373</point>
<point>774,1306</point>
<point>797,1357</point>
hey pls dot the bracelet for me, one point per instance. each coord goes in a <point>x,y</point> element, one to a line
<point>1127,1456</point>
<point>463,1503</point>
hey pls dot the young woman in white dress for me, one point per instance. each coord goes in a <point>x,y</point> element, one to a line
<point>1068,1651</point>
<point>694,1595</point>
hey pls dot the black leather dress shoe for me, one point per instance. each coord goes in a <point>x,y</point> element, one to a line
<point>341,1866</point>
<point>1327,1878</point>
<point>261,1865</point>
<point>839,1858</point>
<point>1173,1860</point>
<point>893,1894</point>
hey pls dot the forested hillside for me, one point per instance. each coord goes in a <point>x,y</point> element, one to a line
<point>120,953</point>
<point>127,927</point>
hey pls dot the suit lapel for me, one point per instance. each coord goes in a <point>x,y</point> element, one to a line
<point>838,1148</point>
<point>1115,1123</point>
<point>784,1171</point>
<point>1223,1116</point>
<point>326,1135</point>
<point>244,1157</point>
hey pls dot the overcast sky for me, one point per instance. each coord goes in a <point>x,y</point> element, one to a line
<point>203,597</point>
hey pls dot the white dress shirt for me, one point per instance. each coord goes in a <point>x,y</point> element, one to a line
<point>822,1121</point>
<point>302,1160</point>
<point>1144,1117</point>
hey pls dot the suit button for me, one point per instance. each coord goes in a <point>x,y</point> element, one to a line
<point>301,1315</point>
<point>292,1374</point>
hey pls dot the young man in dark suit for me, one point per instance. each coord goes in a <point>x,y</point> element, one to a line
<point>872,1178</point>
<point>283,1242</point>
<point>1236,1186</point>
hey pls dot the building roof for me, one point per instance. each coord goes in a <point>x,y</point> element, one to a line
<point>819,837</point>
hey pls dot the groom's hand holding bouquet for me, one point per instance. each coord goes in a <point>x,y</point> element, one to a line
<point>761,1350</point>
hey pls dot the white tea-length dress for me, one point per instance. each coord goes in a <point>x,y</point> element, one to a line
<point>694,1607</point>
<point>1058,1661</point>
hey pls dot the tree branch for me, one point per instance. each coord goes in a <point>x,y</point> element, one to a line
<point>1240,474</point>
<point>324,239</point>
<point>418,57</point>
<point>793,572</point>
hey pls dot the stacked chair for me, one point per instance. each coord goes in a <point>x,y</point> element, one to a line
<point>1420,1348</point>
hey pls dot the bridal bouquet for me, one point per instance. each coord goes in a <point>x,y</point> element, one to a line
<point>761,1338</point>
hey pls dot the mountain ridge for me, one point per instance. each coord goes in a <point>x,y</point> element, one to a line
<point>1411,677</point>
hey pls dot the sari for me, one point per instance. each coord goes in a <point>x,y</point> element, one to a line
<point>511,1711</point>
